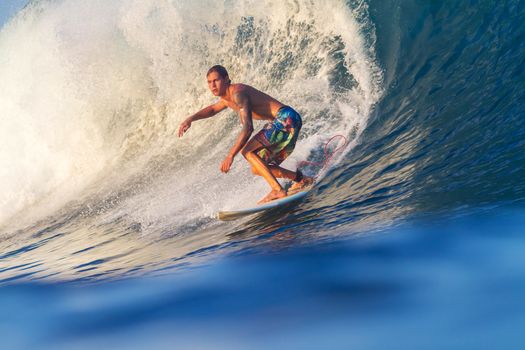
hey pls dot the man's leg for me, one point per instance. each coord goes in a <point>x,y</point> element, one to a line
<point>278,172</point>
<point>250,153</point>
<point>300,181</point>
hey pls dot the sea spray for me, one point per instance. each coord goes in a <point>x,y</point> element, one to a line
<point>97,90</point>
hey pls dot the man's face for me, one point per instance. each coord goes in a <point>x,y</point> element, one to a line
<point>217,84</point>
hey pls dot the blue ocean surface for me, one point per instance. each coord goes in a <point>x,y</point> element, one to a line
<point>411,239</point>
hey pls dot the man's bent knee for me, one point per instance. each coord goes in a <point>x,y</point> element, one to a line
<point>252,146</point>
<point>244,152</point>
<point>247,149</point>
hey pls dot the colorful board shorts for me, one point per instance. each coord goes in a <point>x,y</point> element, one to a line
<point>279,136</point>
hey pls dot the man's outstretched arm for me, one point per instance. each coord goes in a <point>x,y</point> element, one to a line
<point>245,113</point>
<point>204,113</point>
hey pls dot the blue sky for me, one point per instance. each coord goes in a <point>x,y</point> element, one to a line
<point>9,7</point>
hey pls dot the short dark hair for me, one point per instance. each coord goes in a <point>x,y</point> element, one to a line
<point>220,70</point>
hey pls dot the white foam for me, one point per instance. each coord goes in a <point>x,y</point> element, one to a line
<point>93,92</point>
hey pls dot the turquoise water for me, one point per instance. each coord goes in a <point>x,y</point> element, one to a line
<point>412,239</point>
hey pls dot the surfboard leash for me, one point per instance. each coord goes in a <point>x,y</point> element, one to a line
<point>328,155</point>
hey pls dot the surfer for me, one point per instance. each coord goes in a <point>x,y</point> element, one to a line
<point>267,149</point>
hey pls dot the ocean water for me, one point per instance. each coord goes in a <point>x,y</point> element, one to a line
<point>412,238</point>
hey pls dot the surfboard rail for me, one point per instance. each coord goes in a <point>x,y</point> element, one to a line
<point>229,215</point>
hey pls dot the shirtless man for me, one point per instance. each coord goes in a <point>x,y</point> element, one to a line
<point>270,146</point>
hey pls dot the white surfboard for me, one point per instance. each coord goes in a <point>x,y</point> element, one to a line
<point>236,214</point>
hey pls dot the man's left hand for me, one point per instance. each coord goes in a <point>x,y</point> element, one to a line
<point>226,164</point>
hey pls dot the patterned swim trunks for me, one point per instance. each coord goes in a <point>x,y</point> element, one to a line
<point>279,136</point>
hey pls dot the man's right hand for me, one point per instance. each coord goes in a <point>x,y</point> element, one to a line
<point>184,126</point>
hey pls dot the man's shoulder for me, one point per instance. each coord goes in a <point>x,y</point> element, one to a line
<point>239,87</point>
<point>244,89</point>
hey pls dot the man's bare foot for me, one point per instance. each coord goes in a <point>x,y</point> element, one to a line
<point>305,182</point>
<point>272,196</point>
